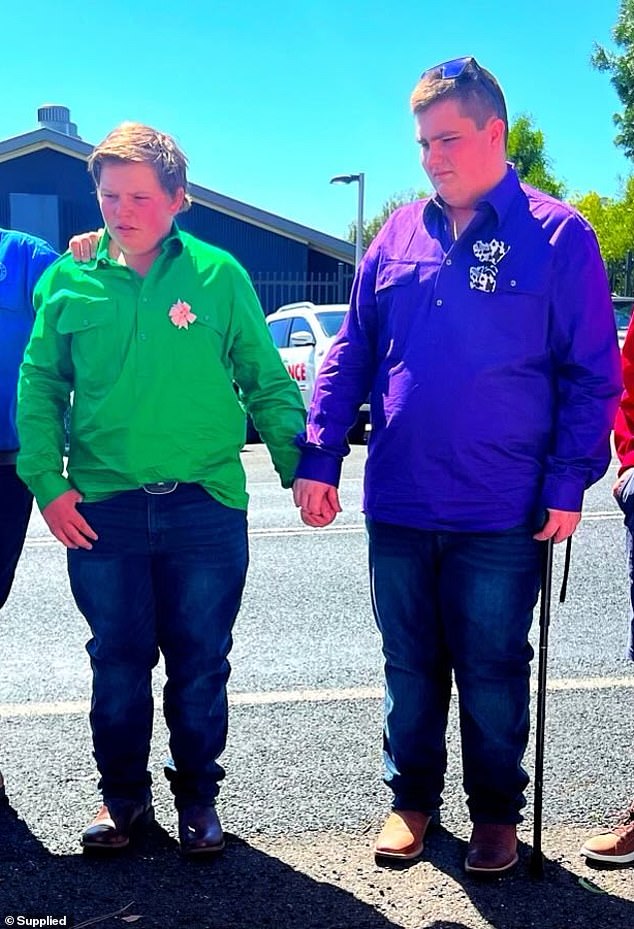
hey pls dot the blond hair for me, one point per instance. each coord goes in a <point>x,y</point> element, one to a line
<point>134,142</point>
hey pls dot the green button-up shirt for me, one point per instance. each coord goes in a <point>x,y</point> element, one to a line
<point>151,401</point>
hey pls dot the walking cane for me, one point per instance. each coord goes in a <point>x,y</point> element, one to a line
<point>537,858</point>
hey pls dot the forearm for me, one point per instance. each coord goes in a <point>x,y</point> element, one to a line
<point>43,397</point>
<point>41,406</point>
<point>271,398</point>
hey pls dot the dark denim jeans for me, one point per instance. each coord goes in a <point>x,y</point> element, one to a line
<point>167,574</point>
<point>15,510</point>
<point>625,499</point>
<point>458,602</point>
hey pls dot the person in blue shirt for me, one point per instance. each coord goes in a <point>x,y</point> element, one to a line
<point>481,324</point>
<point>23,258</point>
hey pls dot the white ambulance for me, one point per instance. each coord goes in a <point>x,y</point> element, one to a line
<point>303,333</point>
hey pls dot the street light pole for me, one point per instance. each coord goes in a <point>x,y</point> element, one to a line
<point>360,180</point>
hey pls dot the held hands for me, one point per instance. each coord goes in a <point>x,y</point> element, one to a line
<point>558,526</point>
<point>621,479</point>
<point>66,522</point>
<point>84,246</point>
<point>318,502</point>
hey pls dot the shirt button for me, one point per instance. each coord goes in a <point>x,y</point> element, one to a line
<point>448,262</point>
<point>86,323</point>
<point>513,283</point>
<point>438,302</point>
<point>143,336</point>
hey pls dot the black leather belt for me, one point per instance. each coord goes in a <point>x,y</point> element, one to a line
<point>160,487</point>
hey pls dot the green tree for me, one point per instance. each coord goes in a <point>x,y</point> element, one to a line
<point>372,226</point>
<point>621,67</point>
<point>526,149</point>
<point>612,220</point>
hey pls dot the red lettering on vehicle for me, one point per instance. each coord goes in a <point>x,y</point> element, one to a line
<point>297,370</point>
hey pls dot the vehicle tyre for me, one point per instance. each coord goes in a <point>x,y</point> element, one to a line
<point>356,436</point>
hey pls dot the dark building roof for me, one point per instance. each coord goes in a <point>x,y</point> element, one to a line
<point>45,139</point>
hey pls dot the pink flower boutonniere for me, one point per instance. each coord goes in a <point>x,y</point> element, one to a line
<point>181,314</point>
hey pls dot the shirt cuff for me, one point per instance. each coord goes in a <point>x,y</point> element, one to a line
<point>561,493</point>
<point>47,487</point>
<point>317,465</point>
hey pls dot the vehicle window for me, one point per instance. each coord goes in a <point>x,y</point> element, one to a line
<point>622,314</point>
<point>331,322</point>
<point>279,332</point>
<point>300,324</point>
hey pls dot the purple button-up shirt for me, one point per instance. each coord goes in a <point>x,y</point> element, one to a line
<point>492,364</point>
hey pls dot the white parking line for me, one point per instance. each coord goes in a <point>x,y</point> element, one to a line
<point>47,541</point>
<point>602,514</point>
<point>281,697</point>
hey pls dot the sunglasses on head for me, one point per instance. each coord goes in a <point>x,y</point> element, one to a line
<point>468,66</point>
<point>449,70</point>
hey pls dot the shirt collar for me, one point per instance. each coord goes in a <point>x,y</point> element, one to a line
<point>498,199</point>
<point>171,247</point>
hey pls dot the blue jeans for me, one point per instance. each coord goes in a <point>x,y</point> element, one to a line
<point>166,574</point>
<point>15,511</point>
<point>461,602</point>
<point>625,499</point>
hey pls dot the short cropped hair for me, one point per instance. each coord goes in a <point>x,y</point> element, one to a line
<point>475,90</point>
<point>134,142</point>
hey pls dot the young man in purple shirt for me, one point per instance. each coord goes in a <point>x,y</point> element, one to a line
<point>480,322</point>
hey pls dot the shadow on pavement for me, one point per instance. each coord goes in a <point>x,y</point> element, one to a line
<point>518,901</point>
<point>242,889</point>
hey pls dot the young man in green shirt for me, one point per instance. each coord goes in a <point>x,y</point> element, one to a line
<point>150,337</point>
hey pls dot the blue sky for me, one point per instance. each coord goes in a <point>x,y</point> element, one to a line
<point>270,99</point>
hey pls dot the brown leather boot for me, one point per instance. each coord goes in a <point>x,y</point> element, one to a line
<point>402,835</point>
<point>111,828</point>
<point>492,848</point>
<point>199,830</point>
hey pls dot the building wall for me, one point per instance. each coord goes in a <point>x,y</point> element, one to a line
<point>52,173</point>
<point>48,174</point>
<point>256,248</point>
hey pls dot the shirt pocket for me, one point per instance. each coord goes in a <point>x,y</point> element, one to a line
<point>95,343</point>
<point>396,274</point>
<point>200,357</point>
<point>517,311</point>
<point>398,299</point>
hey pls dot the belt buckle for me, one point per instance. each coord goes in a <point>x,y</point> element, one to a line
<point>160,487</point>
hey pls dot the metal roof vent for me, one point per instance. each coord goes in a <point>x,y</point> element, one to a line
<point>53,116</point>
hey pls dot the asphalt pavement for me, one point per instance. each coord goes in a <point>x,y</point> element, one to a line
<point>303,796</point>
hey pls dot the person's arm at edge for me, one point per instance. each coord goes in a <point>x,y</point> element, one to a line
<point>43,395</point>
<point>43,392</point>
<point>624,421</point>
